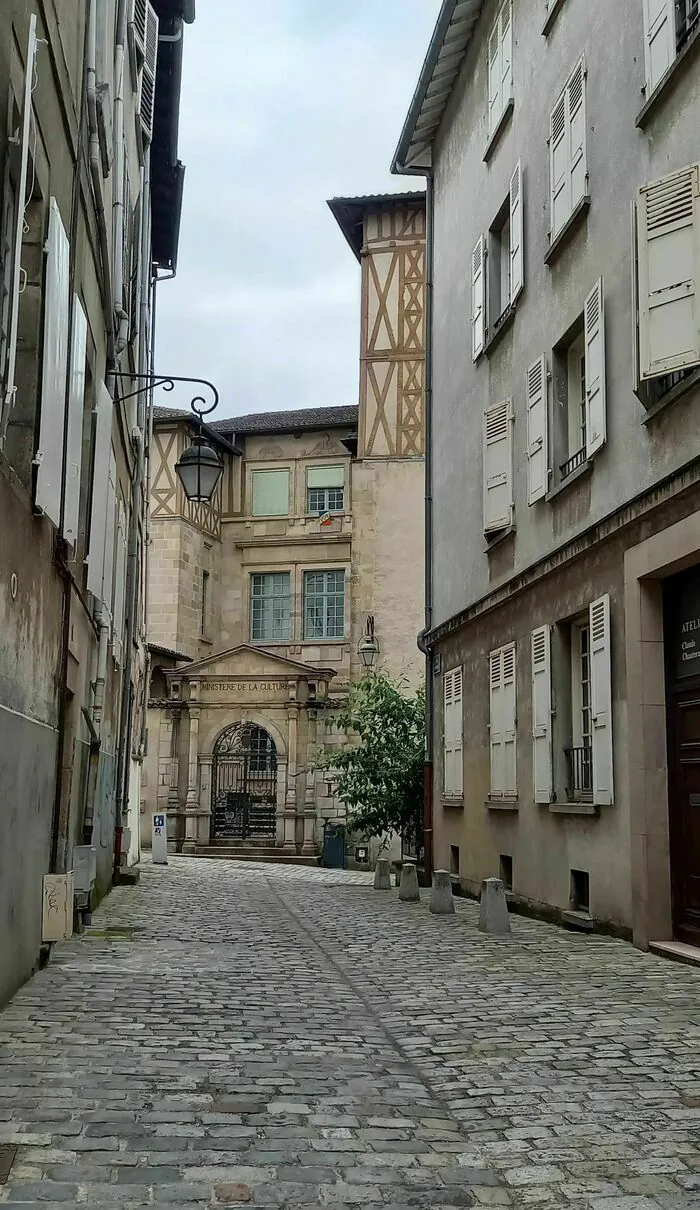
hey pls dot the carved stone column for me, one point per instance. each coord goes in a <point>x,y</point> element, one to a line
<point>206,798</point>
<point>290,806</point>
<point>192,801</point>
<point>173,804</point>
<point>309,847</point>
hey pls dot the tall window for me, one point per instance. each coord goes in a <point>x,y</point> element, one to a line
<point>580,756</point>
<point>205,603</point>
<point>270,493</point>
<point>270,607</point>
<point>325,489</point>
<point>324,604</point>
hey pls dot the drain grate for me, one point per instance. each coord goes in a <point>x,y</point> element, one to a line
<point>7,1159</point>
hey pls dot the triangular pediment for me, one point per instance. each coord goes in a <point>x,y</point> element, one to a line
<point>246,660</point>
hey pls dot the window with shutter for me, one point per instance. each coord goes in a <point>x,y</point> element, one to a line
<point>506,52</point>
<point>147,88</point>
<point>541,715</point>
<point>502,672</point>
<point>478,297</point>
<point>8,222</point>
<point>498,467</point>
<point>668,272</point>
<point>494,73</point>
<point>537,453</point>
<point>107,595</point>
<point>517,266</point>
<point>659,39</point>
<point>567,150</point>
<point>74,436</point>
<point>49,456</point>
<point>100,489</point>
<point>119,585</point>
<point>270,493</point>
<point>452,737</point>
<point>594,337</point>
<point>601,700</point>
<point>500,65</point>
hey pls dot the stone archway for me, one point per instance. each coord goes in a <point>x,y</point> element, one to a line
<point>244,784</point>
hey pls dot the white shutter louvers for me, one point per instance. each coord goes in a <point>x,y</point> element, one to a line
<point>502,672</point>
<point>541,714</point>
<point>537,451</point>
<point>498,466</point>
<point>668,260</point>
<point>100,488</point>
<point>119,585</point>
<point>594,337</point>
<point>49,455</point>
<point>517,266</point>
<point>568,172</point>
<point>500,65</point>
<point>601,701</point>
<point>478,297</point>
<point>452,738</point>
<point>74,436</point>
<point>659,40</point>
<point>147,89</point>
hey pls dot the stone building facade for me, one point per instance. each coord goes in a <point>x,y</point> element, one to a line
<point>565,341</point>
<point>257,602</point>
<point>79,234</point>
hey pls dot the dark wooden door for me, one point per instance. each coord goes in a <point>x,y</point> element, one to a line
<point>684,803</point>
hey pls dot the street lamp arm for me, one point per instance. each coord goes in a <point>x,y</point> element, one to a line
<point>198,403</point>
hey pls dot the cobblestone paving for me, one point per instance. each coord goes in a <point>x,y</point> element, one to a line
<point>231,1035</point>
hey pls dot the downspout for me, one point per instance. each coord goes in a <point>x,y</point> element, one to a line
<point>95,723</point>
<point>118,184</point>
<point>96,178</point>
<point>428,522</point>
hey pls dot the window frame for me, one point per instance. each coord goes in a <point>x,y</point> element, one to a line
<point>574,157</point>
<point>257,473</point>
<point>453,733</point>
<point>334,510</point>
<point>274,596</point>
<point>327,597</point>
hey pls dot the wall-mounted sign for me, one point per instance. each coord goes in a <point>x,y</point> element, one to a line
<point>685,625</point>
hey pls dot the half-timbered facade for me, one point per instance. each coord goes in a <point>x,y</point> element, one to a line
<point>257,603</point>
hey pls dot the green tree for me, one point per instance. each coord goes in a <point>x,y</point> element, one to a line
<point>380,776</point>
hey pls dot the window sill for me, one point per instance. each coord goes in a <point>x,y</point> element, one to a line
<point>500,127</point>
<point>579,473</point>
<point>504,321</point>
<point>555,9</point>
<point>681,388</point>
<point>573,808</point>
<point>669,80</point>
<point>502,804</point>
<point>453,800</point>
<point>571,226</point>
<point>579,920</point>
<point>498,537</point>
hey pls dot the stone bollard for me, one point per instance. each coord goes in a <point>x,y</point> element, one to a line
<point>441,901</point>
<point>493,909</point>
<point>408,889</point>
<point>382,875</point>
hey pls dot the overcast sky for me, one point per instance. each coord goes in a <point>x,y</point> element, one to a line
<point>284,105</point>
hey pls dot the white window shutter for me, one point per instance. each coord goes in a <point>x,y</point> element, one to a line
<point>537,451</point>
<point>100,490</point>
<point>668,250</point>
<point>559,167</point>
<point>496,723</point>
<point>594,337</point>
<point>498,467</point>
<point>601,701</point>
<point>494,74</point>
<point>107,595</point>
<point>478,297</point>
<point>453,776</point>
<point>517,264</point>
<point>659,39</point>
<point>540,641</point>
<point>506,53</point>
<point>74,436</point>
<point>119,584</point>
<point>508,720</point>
<point>576,119</point>
<point>147,89</point>
<point>49,456</point>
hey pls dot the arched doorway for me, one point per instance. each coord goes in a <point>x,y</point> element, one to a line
<point>244,783</point>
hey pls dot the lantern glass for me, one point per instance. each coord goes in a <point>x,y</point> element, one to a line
<point>199,470</point>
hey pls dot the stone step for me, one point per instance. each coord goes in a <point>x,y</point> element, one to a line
<point>268,856</point>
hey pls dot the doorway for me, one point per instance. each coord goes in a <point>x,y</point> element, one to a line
<point>244,800</point>
<point>682,626</point>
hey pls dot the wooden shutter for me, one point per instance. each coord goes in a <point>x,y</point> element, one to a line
<point>107,596</point>
<point>119,584</point>
<point>576,121</point>
<point>559,175</point>
<point>517,265</point>
<point>147,89</point>
<point>508,721</point>
<point>452,769</point>
<point>668,250</point>
<point>49,455</point>
<point>495,723</point>
<point>659,39</point>
<point>478,297</point>
<point>541,714</point>
<point>506,53</point>
<point>537,460</point>
<point>494,73</point>
<point>594,337</point>
<point>100,489</point>
<point>74,435</point>
<point>498,466</point>
<point>601,701</point>
<point>502,721</point>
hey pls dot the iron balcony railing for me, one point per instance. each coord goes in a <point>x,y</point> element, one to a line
<point>573,463</point>
<point>579,764</point>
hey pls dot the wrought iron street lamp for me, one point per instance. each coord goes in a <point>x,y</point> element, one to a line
<point>200,467</point>
<point>368,646</point>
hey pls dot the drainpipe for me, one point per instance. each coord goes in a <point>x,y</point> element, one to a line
<point>428,522</point>
<point>96,178</point>
<point>118,193</point>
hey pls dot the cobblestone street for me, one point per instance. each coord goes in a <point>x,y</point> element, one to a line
<point>233,1035</point>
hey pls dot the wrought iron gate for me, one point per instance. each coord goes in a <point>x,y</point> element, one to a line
<point>244,783</point>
